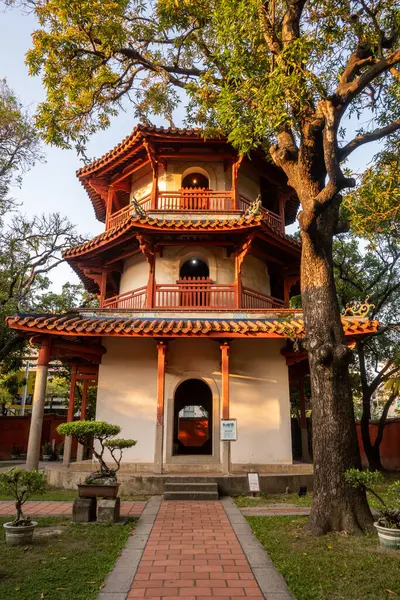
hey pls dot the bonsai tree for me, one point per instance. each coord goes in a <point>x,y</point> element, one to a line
<point>101,435</point>
<point>22,484</point>
<point>389,512</point>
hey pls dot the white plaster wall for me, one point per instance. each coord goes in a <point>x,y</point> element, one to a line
<point>142,181</point>
<point>171,180</point>
<point>260,403</point>
<point>167,267</point>
<point>191,359</point>
<point>255,275</point>
<point>135,274</point>
<point>248,182</point>
<point>127,393</point>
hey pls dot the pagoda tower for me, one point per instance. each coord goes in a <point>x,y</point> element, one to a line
<point>193,341</point>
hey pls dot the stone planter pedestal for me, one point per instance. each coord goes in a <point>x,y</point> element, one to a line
<point>84,510</point>
<point>108,510</point>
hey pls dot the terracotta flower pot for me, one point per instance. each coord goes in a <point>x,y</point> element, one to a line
<point>98,490</point>
<point>19,535</point>
<point>389,538</point>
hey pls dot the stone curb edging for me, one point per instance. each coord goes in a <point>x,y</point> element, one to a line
<point>271,583</point>
<point>119,580</point>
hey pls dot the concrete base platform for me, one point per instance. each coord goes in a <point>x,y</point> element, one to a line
<point>134,483</point>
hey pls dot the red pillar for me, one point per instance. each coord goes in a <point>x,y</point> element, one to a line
<point>161,363</point>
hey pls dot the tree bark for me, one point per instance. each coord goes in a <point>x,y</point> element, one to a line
<point>336,506</point>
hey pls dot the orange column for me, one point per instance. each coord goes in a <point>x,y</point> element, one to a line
<point>238,282</point>
<point>103,287</point>
<point>154,189</point>
<point>151,282</point>
<point>70,415</point>
<point>161,363</point>
<point>84,399</point>
<point>226,450</point>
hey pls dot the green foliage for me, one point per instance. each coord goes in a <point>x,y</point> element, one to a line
<point>84,431</point>
<point>22,484</point>
<point>19,144</point>
<point>363,479</point>
<point>120,444</point>
<point>103,433</point>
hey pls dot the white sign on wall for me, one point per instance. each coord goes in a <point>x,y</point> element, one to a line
<point>254,482</point>
<point>228,430</point>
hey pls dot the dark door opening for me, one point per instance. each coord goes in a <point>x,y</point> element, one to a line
<point>192,419</point>
<point>196,181</point>
<point>194,282</point>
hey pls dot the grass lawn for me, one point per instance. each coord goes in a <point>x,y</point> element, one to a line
<point>330,567</point>
<point>70,565</point>
<point>264,500</point>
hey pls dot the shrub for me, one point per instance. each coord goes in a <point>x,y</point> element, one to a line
<point>22,484</point>
<point>389,514</point>
<point>85,432</point>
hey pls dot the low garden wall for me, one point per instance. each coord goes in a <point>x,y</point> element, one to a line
<point>390,445</point>
<point>14,432</point>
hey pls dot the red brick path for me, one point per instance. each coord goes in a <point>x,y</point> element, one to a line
<point>193,554</point>
<point>56,508</point>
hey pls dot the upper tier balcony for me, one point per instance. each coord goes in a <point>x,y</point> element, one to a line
<point>191,294</point>
<point>192,201</point>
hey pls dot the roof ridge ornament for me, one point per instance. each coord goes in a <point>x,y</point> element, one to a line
<point>359,309</point>
<point>254,209</point>
<point>138,210</point>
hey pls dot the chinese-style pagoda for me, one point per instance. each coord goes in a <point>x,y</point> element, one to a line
<point>194,273</point>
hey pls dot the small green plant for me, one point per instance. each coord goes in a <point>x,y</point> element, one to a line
<point>22,484</point>
<point>47,449</point>
<point>389,514</point>
<point>90,432</point>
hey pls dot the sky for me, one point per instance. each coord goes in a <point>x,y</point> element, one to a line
<point>53,186</point>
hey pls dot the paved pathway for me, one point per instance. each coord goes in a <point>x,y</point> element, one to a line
<point>193,551</point>
<point>56,508</point>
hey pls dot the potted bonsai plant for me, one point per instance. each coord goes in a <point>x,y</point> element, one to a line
<point>21,484</point>
<point>388,522</point>
<point>103,482</point>
<point>47,451</point>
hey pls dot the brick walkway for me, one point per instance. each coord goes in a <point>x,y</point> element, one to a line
<point>56,508</point>
<point>193,553</point>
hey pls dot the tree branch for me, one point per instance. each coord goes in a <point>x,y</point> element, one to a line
<point>372,136</point>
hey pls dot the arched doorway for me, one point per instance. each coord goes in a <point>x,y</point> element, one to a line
<point>196,181</point>
<point>195,192</point>
<point>194,281</point>
<point>192,419</point>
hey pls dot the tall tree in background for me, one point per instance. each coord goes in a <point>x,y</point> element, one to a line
<point>373,273</point>
<point>29,250</point>
<point>281,75</point>
<point>19,145</point>
<point>29,247</point>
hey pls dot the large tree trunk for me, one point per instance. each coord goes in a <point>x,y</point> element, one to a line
<point>336,506</point>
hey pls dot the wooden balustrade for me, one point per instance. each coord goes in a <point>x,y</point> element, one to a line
<point>255,300</point>
<point>195,199</point>
<point>272,218</point>
<point>199,294</point>
<point>122,215</point>
<point>189,293</point>
<point>134,300</point>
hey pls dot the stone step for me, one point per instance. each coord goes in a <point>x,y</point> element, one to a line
<point>194,496</point>
<point>191,487</point>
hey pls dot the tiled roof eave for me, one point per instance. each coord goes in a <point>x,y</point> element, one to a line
<point>99,325</point>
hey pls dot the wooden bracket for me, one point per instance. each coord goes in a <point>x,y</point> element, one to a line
<point>100,185</point>
<point>147,248</point>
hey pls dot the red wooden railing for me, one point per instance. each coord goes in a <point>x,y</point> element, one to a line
<point>134,300</point>
<point>272,218</point>
<point>254,300</point>
<point>188,293</point>
<point>122,215</point>
<point>195,199</point>
<point>202,295</point>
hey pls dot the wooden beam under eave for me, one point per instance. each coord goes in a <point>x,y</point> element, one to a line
<point>129,170</point>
